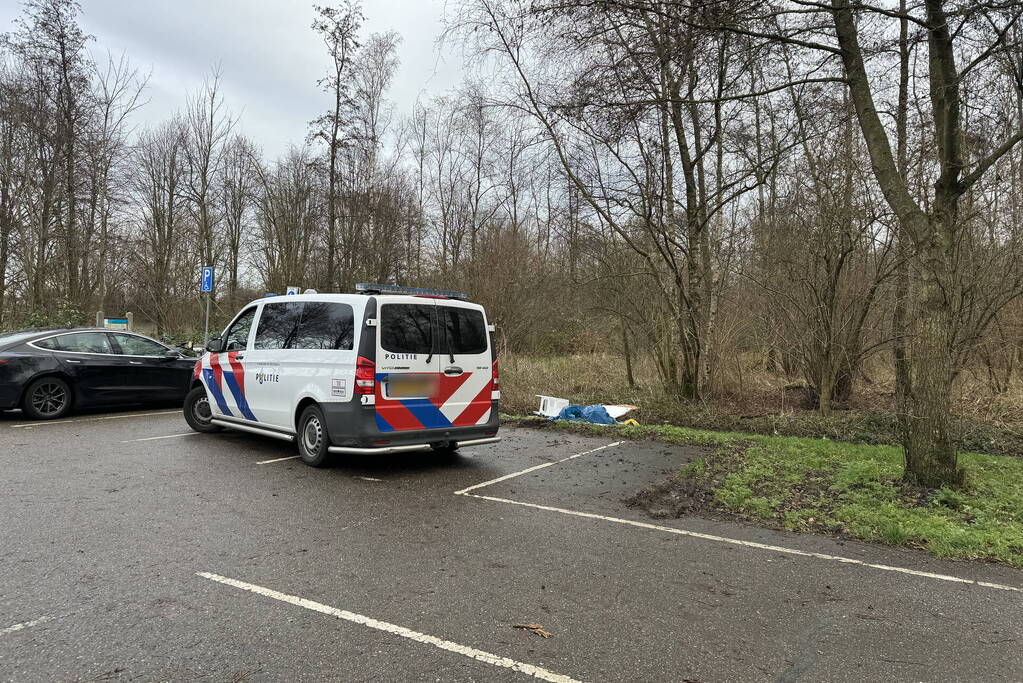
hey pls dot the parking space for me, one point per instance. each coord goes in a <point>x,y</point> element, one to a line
<point>132,551</point>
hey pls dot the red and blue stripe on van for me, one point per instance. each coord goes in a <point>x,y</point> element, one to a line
<point>216,376</point>
<point>461,401</point>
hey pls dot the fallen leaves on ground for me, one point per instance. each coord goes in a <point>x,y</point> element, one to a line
<point>535,628</point>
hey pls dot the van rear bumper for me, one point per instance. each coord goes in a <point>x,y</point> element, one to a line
<point>353,429</point>
<point>384,450</point>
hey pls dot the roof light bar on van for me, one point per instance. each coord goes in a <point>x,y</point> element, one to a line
<point>367,288</point>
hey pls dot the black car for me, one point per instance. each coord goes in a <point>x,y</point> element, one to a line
<point>46,373</point>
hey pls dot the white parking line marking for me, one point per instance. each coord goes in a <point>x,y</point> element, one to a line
<point>534,468</point>
<point>92,419</point>
<point>751,544</point>
<point>712,537</point>
<point>267,462</point>
<point>24,625</point>
<point>370,479</point>
<point>394,629</point>
<point>154,438</point>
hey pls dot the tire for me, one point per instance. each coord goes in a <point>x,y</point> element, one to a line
<point>312,437</point>
<point>47,398</point>
<point>197,411</point>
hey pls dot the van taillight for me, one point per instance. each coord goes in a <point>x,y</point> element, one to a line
<point>494,375</point>
<point>365,371</point>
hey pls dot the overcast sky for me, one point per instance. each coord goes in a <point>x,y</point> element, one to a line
<point>269,56</point>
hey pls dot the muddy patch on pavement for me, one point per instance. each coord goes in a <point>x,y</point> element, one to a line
<point>682,494</point>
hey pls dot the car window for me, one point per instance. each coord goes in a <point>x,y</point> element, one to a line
<point>464,330</point>
<point>50,343</point>
<point>237,338</point>
<point>132,345</point>
<point>85,342</point>
<point>326,325</point>
<point>278,325</point>
<point>407,328</point>
<point>12,338</point>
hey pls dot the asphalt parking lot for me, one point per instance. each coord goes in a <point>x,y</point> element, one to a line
<point>134,549</point>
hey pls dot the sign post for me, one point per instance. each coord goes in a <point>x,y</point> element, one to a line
<point>207,287</point>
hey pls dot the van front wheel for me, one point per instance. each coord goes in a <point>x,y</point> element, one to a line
<point>312,437</point>
<point>198,414</point>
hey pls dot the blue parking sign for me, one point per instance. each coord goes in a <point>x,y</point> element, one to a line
<point>207,279</point>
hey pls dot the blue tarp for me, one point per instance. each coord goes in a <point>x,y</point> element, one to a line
<point>597,414</point>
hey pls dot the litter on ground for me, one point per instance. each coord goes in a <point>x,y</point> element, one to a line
<point>534,628</point>
<point>555,408</point>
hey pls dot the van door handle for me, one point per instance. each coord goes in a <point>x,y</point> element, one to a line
<point>452,371</point>
<point>239,356</point>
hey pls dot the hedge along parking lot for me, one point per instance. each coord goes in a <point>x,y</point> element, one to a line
<point>822,486</point>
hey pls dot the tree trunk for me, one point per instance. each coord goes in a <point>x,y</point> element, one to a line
<point>926,411</point>
<point>628,356</point>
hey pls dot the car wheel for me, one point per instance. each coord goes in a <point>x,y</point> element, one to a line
<point>313,439</point>
<point>47,398</point>
<point>198,413</point>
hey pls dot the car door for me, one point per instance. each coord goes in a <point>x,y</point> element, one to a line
<point>269,360</point>
<point>89,359</point>
<point>224,373</point>
<point>407,365</point>
<point>151,374</point>
<point>466,364</point>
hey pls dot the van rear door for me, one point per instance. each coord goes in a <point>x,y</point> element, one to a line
<point>407,365</point>
<point>465,387</point>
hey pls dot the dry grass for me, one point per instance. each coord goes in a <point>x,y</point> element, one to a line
<point>752,400</point>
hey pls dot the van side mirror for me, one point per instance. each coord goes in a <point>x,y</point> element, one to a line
<point>215,345</point>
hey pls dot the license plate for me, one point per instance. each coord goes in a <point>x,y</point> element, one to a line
<point>410,386</point>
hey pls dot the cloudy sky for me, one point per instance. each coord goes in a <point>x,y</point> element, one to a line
<point>269,56</point>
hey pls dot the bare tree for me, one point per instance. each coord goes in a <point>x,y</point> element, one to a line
<point>208,126</point>
<point>159,188</point>
<point>237,193</point>
<point>339,28</point>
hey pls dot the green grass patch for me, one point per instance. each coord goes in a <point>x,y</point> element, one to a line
<point>823,486</point>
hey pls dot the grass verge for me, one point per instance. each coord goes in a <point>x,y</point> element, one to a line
<point>822,486</point>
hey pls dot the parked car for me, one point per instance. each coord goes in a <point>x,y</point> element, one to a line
<point>47,373</point>
<point>391,369</point>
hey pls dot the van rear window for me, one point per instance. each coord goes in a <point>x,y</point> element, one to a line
<point>464,330</point>
<point>407,328</point>
<point>413,328</point>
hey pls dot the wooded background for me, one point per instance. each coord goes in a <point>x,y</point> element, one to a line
<point>823,193</point>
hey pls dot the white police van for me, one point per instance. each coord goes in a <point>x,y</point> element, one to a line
<point>387,370</point>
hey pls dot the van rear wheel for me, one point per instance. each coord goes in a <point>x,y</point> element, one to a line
<point>313,439</point>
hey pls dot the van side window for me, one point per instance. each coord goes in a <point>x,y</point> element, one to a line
<point>278,325</point>
<point>237,338</point>
<point>407,328</point>
<point>326,325</point>
<point>463,329</point>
